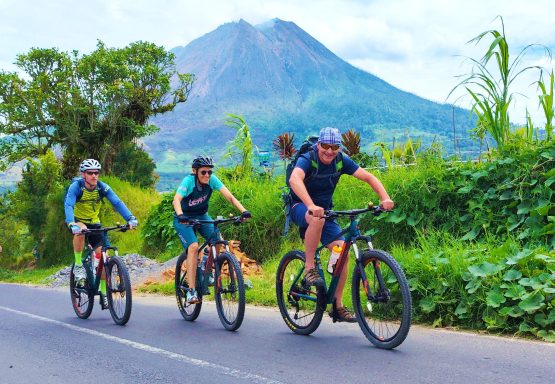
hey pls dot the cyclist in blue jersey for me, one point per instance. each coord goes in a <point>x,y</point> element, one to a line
<point>313,183</point>
<point>191,202</point>
<point>82,208</point>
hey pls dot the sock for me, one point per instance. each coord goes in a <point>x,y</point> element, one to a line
<point>78,260</point>
<point>103,287</point>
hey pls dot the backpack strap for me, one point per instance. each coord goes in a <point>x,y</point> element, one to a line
<point>313,157</point>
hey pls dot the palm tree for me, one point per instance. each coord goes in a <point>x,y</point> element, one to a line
<point>283,145</point>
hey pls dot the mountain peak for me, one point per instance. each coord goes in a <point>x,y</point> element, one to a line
<point>280,78</point>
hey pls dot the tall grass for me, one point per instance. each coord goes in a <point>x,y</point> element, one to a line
<point>490,85</point>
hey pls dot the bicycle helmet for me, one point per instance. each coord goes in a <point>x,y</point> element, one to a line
<point>89,164</point>
<point>203,161</point>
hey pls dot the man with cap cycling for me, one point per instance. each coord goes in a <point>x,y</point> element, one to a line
<point>82,209</point>
<point>313,183</point>
<point>191,202</point>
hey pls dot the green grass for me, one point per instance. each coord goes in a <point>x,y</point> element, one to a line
<point>28,276</point>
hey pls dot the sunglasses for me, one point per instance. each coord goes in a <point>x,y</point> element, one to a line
<point>91,173</point>
<point>205,172</point>
<point>334,147</point>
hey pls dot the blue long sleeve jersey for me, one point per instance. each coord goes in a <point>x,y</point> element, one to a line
<point>81,204</point>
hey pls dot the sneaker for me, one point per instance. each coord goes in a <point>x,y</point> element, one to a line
<point>192,297</point>
<point>79,275</point>
<point>342,315</point>
<point>312,277</point>
<point>103,301</point>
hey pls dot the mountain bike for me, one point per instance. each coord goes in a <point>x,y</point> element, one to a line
<point>229,289</point>
<point>118,283</point>
<point>380,291</point>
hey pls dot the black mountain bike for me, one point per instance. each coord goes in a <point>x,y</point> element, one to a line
<point>118,283</point>
<point>229,289</point>
<point>380,291</point>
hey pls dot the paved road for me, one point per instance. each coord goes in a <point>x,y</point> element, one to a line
<point>42,341</point>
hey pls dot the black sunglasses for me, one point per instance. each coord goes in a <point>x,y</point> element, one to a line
<point>334,147</point>
<point>205,172</point>
<point>91,173</point>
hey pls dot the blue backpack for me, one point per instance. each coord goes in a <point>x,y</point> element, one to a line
<point>102,188</point>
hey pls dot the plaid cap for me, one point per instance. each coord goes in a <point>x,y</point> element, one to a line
<point>329,135</point>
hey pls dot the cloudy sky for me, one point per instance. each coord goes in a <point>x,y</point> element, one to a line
<point>417,46</point>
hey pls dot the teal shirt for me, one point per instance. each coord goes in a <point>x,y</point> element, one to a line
<point>195,195</point>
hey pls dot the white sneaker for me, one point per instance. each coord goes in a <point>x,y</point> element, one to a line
<point>79,275</point>
<point>192,297</point>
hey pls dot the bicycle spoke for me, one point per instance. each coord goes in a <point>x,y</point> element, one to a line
<point>384,313</point>
<point>298,303</point>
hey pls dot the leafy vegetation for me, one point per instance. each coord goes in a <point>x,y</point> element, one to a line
<point>88,105</point>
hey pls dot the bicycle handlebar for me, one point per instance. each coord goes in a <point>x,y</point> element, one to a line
<point>120,227</point>
<point>235,219</point>
<point>375,209</point>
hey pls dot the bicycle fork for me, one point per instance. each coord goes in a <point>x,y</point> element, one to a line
<point>382,292</point>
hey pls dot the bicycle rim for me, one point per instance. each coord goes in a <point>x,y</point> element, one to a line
<point>385,319</point>
<point>298,303</point>
<point>119,291</point>
<point>189,311</point>
<point>229,291</point>
<point>82,298</point>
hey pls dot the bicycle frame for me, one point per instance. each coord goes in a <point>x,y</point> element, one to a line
<point>213,242</point>
<point>352,236</point>
<point>95,274</point>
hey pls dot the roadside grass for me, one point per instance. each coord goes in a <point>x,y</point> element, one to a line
<point>28,276</point>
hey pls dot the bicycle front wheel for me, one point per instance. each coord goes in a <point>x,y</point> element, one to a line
<point>118,290</point>
<point>384,313</point>
<point>301,305</point>
<point>229,291</point>
<point>82,298</point>
<point>189,311</point>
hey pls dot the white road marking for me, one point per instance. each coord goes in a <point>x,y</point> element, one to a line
<point>147,348</point>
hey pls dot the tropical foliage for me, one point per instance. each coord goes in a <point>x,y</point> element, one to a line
<point>87,105</point>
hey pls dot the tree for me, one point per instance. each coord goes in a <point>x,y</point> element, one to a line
<point>87,105</point>
<point>134,165</point>
<point>39,179</point>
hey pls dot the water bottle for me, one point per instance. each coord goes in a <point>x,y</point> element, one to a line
<point>96,260</point>
<point>203,262</point>
<point>335,252</point>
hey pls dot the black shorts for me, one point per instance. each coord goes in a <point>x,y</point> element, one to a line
<point>98,238</point>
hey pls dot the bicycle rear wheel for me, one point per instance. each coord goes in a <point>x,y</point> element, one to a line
<point>301,306</point>
<point>189,311</point>
<point>385,319</point>
<point>82,298</point>
<point>118,286</point>
<point>229,291</point>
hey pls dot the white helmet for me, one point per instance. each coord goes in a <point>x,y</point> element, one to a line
<point>89,164</point>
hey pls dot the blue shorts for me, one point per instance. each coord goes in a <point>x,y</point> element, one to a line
<point>187,234</point>
<point>329,232</point>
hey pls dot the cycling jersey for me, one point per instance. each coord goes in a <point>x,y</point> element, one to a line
<point>86,209</point>
<point>196,195</point>
<point>320,188</point>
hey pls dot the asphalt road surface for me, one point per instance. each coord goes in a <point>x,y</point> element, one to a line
<point>42,341</point>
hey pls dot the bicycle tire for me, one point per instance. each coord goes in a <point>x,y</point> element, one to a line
<point>386,320</point>
<point>82,299</point>
<point>118,285</point>
<point>189,311</point>
<point>229,291</point>
<point>292,267</point>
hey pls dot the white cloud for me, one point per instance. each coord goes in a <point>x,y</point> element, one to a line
<point>412,44</point>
